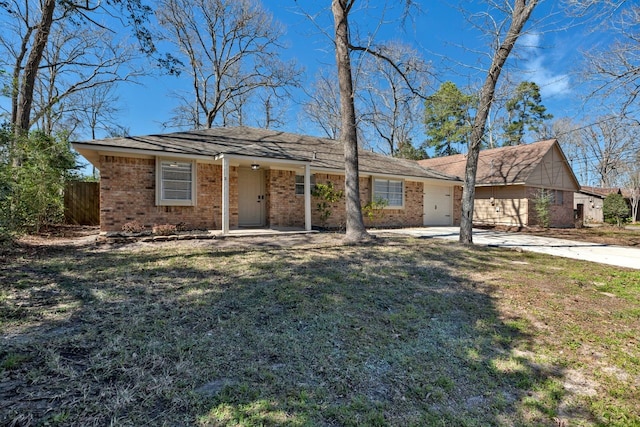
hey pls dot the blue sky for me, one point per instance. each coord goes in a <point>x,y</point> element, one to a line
<point>550,54</point>
<point>547,55</point>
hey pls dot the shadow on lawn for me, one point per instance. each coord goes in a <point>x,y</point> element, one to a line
<point>391,334</point>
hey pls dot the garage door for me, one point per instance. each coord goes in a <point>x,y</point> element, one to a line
<point>437,205</point>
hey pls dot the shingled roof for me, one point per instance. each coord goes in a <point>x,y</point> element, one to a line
<point>599,191</point>
<point>496,166</point>
<point>321,153</point>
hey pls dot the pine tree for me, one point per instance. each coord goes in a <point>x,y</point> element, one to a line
<point>448,119</point>
<point>526,113</point>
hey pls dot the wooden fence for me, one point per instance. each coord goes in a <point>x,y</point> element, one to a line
<point>82,203</point>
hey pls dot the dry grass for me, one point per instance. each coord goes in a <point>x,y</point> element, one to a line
<point>403,332</point>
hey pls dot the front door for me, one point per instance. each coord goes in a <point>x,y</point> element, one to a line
<point>251,198</point>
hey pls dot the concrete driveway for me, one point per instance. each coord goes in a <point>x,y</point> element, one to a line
<point>621,256</point>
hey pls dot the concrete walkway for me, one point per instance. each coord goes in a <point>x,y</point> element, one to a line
<point>621,256</point>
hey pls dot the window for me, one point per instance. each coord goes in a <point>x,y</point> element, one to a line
<point>300,184</point>
<point>389,190</point>
<point>175,182</point>
<point>556,197</point>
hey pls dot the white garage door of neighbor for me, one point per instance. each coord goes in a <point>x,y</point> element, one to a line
<point>438,205</point>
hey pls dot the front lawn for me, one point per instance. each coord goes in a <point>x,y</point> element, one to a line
<point>403,332</point>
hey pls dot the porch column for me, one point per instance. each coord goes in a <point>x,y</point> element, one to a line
<point>307,197</point>
<point>225,195</point>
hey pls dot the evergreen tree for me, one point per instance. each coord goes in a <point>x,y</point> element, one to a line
<point>406,150</point>
<point>526,113</point>
<point>615,209</point>
<point>448,119</point>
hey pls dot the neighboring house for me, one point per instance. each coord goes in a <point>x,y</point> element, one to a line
<point>592,199</point>
<point>227,178</point>
<point>509,180</point>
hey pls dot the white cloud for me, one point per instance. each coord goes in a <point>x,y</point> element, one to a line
<point>539,68</point>
<point>530,42</point>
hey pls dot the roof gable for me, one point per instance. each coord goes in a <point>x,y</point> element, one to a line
<point>553,171</point>
<point>517,164</point>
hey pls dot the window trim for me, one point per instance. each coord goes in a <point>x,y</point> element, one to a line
<point>389,206</point>
<point>194,180</point>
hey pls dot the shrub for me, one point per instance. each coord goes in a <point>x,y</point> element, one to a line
<point>327,195</point>
<point>374,210</point>
<point>542,204</point>
<point>133,227</point>
<point>33,170</point>
<point>164,229</point>
<point>615,209</point>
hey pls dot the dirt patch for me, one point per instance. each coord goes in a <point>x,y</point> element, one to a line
<point>62,235</point>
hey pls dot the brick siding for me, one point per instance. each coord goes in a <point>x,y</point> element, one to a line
<point>457,205</point>
<point>128,193</point>
<point>410,216</point>
<point>560,216</point>
<point>284,207</point>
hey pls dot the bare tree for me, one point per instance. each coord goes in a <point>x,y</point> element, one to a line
<point>273,109</point>
<point>94,110</point>
<point>36,24</point>
<point>505,31</point>
<point>341,9</point>
<point>75,66</point>
<point>610,145</point>
<point>614,69</point>
<point>633,184</point>
<point>567,132</point>
<point>230,48</point>
<point>323,106</point>
<point>392,94</point>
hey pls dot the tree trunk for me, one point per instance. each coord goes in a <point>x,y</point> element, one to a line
<point>25,97</point>
<point>356,231</point>
<point>521,13</point>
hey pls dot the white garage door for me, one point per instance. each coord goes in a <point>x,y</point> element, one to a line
<point>438,203</point>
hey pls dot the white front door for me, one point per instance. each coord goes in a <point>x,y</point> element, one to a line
<point>438,204</point>
<point>251,198</point>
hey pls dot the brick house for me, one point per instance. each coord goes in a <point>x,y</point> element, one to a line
<point>509,179</point>
<point>229,178</point>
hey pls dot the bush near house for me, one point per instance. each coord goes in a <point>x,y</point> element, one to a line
<point>542,204</point>
<point>326,196</point>
<point>33,171</point>
<point>615,209</point>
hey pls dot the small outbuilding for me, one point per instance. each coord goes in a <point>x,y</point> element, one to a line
<point>592,200</point>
